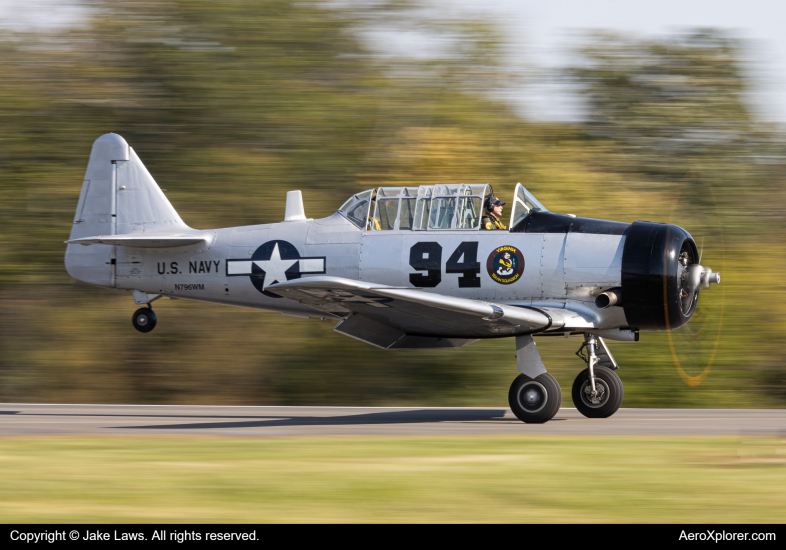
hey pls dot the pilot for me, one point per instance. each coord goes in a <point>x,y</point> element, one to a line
<point>493,213</point>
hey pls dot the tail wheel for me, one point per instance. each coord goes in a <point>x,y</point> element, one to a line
<point>535,400</point>
<point>609,393</point>
<point>144,319</point>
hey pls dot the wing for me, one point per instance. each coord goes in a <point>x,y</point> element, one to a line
<point>391,317</point>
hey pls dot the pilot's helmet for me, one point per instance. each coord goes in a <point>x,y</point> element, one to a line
<point>492,202</point>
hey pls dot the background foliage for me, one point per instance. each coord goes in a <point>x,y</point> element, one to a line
<point>231,104</point>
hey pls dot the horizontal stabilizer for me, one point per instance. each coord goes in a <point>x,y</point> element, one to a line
<point>141,241</point>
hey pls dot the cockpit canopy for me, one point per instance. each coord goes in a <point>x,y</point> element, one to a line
<point>456,206</point>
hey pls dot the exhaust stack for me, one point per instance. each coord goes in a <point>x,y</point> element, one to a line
<point>609,298</point>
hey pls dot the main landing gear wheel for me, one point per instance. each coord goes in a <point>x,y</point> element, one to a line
<point>608,397</point>
<point>535,400</point>
<point>144,319</point>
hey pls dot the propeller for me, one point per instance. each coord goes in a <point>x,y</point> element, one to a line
<point>694,347</point>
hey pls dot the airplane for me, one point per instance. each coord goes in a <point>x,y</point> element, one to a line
<point>403,268</point>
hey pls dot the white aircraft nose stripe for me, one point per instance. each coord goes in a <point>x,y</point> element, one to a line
<point>312,265</point>
<point>238,267</point>
<point>306,265</point>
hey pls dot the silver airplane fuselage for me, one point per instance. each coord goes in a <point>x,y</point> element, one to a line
<point>559,268</point>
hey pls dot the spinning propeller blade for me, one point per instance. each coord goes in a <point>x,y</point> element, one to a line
<point>694,347</point>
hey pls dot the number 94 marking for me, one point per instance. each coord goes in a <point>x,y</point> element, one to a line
<point>427,256</point>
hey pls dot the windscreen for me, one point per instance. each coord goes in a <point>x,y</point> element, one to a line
<point>524,203</point>
<point>356,208</point>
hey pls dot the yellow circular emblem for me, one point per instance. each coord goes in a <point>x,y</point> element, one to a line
<point>505,264</point>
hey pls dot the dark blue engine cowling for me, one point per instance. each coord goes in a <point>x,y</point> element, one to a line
<point>652,280</point>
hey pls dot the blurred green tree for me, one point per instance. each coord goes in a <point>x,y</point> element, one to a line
<point>232,104</point>
<point>677,111</point>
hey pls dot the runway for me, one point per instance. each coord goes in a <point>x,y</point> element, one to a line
<point>184,420</point>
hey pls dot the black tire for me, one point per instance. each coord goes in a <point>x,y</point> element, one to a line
<point>608,383</point>
<point>144,319</point>
<point>535,401</point>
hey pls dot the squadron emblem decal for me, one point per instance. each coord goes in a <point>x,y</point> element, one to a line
<point>505,264</point>
<point>275,262</point>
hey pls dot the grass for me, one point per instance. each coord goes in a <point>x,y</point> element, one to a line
<point>393,479</point>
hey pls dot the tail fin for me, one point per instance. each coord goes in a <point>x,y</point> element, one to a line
<point>119,196</point>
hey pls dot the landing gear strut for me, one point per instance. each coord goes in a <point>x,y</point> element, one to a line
<point>144,319</point>
<point>597,391</point>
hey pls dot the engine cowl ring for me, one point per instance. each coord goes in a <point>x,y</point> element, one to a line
<point>655,260</point>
